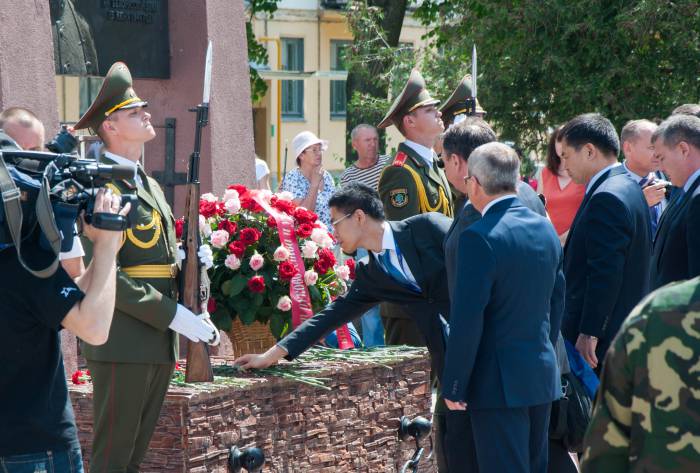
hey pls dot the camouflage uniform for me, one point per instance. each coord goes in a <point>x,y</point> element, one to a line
<point>647,412</point>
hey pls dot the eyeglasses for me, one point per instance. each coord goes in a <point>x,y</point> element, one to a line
<point>336,222</point>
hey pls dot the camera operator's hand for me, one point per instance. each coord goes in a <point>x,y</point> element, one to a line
<point>106,202</point>
<point>193,326</point>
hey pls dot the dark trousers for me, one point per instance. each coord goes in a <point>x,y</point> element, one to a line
<point>127,398</point>
<point>454,442</point>
<point>513,440</point>
<point>400,331</point>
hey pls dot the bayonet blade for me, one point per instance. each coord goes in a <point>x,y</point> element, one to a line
<point>474,71</point>
<point>207,76</point>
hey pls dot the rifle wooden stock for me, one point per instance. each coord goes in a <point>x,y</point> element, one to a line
<point>198,363</point>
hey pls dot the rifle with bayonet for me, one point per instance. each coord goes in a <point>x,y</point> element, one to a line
<point>471,101</point>
<point>193,293</point>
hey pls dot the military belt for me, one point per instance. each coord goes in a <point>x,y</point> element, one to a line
<point>168,271</point>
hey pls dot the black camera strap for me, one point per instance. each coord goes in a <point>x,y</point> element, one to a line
<point>11,200</point>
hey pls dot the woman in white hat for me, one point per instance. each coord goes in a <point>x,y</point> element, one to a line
<point>311,185</point>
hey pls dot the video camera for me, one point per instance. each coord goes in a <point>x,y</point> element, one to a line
<point>50,190</point>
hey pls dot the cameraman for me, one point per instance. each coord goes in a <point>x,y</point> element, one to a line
<point>26,129</point>
<point>37,426</point>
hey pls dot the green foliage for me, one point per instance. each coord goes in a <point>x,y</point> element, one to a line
<point>542,62</point>
<point>257,53</point>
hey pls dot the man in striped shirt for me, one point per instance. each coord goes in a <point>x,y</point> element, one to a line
<point>369,164</point>
<point>367,169</point>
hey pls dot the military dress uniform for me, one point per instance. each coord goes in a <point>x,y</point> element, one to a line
<point>410,186</point>
<point>131,372</point>
<point>647,409</point>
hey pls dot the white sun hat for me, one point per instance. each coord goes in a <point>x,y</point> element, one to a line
<point>305,139</point>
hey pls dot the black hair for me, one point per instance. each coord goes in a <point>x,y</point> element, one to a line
<point>356,195</point>
<point>553,160</point>
<point>463,138</point>
<point>591,128</point>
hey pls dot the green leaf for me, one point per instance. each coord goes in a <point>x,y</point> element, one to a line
<point>222,319</point>
<point>248,315</point>
<point>278,324</point>
<point>226,287</point>
<point>238,283</point>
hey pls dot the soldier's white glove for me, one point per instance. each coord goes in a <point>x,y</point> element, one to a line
<point>217,335</point>
<point>206,257</point>
<point>180,256</point>
<point>193,326</point>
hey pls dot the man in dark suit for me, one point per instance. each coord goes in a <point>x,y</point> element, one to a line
<point>606,256</point>
<point>506,311</point>
<point>406,266</point>
<point>677,245</point>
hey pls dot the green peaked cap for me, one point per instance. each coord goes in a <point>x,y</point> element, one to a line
<point>116,93</point>
<point>456,103</point>
<point>413,96</point>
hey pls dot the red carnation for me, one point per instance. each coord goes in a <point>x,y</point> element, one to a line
<point>240,188</point>
<point>228,225</point>
<point>256,284</point>
<point>247,202</point>
<point>76,377</point>
<point>236,248</point>
<point>211,305</point>
<point>287,270</point>
<point>208,209</point>
<point>271,222</point>
<point>284,205</point>
<point>350,263</point>
<point>249,236</point>
<point>326,260</point>
<point>305,216</point>
<point>304,230</point>
<point>179,226</point>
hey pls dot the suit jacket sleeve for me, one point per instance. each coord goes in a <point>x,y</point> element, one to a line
<point>609,230</point>
<point>138,299</point>
<point>472,294</point>
<point>356,302</point>
<point>693,237</point>
<point>396,179</point>
<point>556,305</point>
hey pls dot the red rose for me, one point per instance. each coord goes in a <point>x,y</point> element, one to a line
<point>271,222</point>
<point>285,206</point>
<point>326,260</point>
<point>287,270</point>
<point>76,377</point>
<point>179,225</point>
<point>229,226</point>
<point>351,265</point>
<point>249,236</point>
<point>240,188</point>
<point>256,284</point>
<point>236,248</point>
<point>248,203</point>
<point>305,216</point>
<point>211,305</point>
<point>304,230</point>
<point>87,372</point>
<point>207,209</point>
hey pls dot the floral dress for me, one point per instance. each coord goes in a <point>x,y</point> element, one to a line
<point>296,183</point>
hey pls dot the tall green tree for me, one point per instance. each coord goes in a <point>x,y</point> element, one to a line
<point>257,52</point>
<point>542,62</point>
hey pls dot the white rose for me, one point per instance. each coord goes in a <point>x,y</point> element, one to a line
<point>219,238</point>
<point>256,261</point>
<point>281,254</point>
<point>285,195</point>
<point>310,277</point>
<point>204,227</point>
<point>317,235</point>
<point>343,272</point>
<point>284,303</point>
<point>232,262</point>
<point>233,205</point>
<point>327,242</point>
<point>230,194</point>
<point>209,197</point>
<point>308,250</point>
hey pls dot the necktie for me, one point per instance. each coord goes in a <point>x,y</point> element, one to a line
<point>394,272</point>
<point>141,178</point>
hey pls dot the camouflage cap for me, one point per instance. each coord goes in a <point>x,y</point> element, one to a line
<point>413,96</point>
<point>116,93</point>
<point>456,103</point>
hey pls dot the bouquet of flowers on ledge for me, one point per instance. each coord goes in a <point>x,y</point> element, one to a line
<point>252,270</point>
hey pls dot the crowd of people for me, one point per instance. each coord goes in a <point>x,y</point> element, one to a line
<point>522,300</point>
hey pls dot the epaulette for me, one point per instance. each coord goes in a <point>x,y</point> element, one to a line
<point>400,159</point>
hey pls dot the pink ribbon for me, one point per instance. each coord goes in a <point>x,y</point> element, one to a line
<point>298,292</point>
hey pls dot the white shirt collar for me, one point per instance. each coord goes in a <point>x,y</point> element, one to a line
<point>633,175</point>
<point>693,177</point>
<point>387,239</point>
<point>424,152</point>
<point>495,201</point>
<point>598,174</point>
<point>121,160</point>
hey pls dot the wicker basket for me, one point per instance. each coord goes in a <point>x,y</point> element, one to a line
<point>254,338</point>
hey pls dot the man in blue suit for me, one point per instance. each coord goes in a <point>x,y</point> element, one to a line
<point>677,245</point>
<point>606,256</point>
<point>505,315</point>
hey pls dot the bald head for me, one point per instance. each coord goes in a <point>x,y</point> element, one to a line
<point>24,127</point>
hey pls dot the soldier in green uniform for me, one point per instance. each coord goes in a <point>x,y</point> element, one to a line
<point>413,183</point>
<point>132,371</point>
<point>647,412</point>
